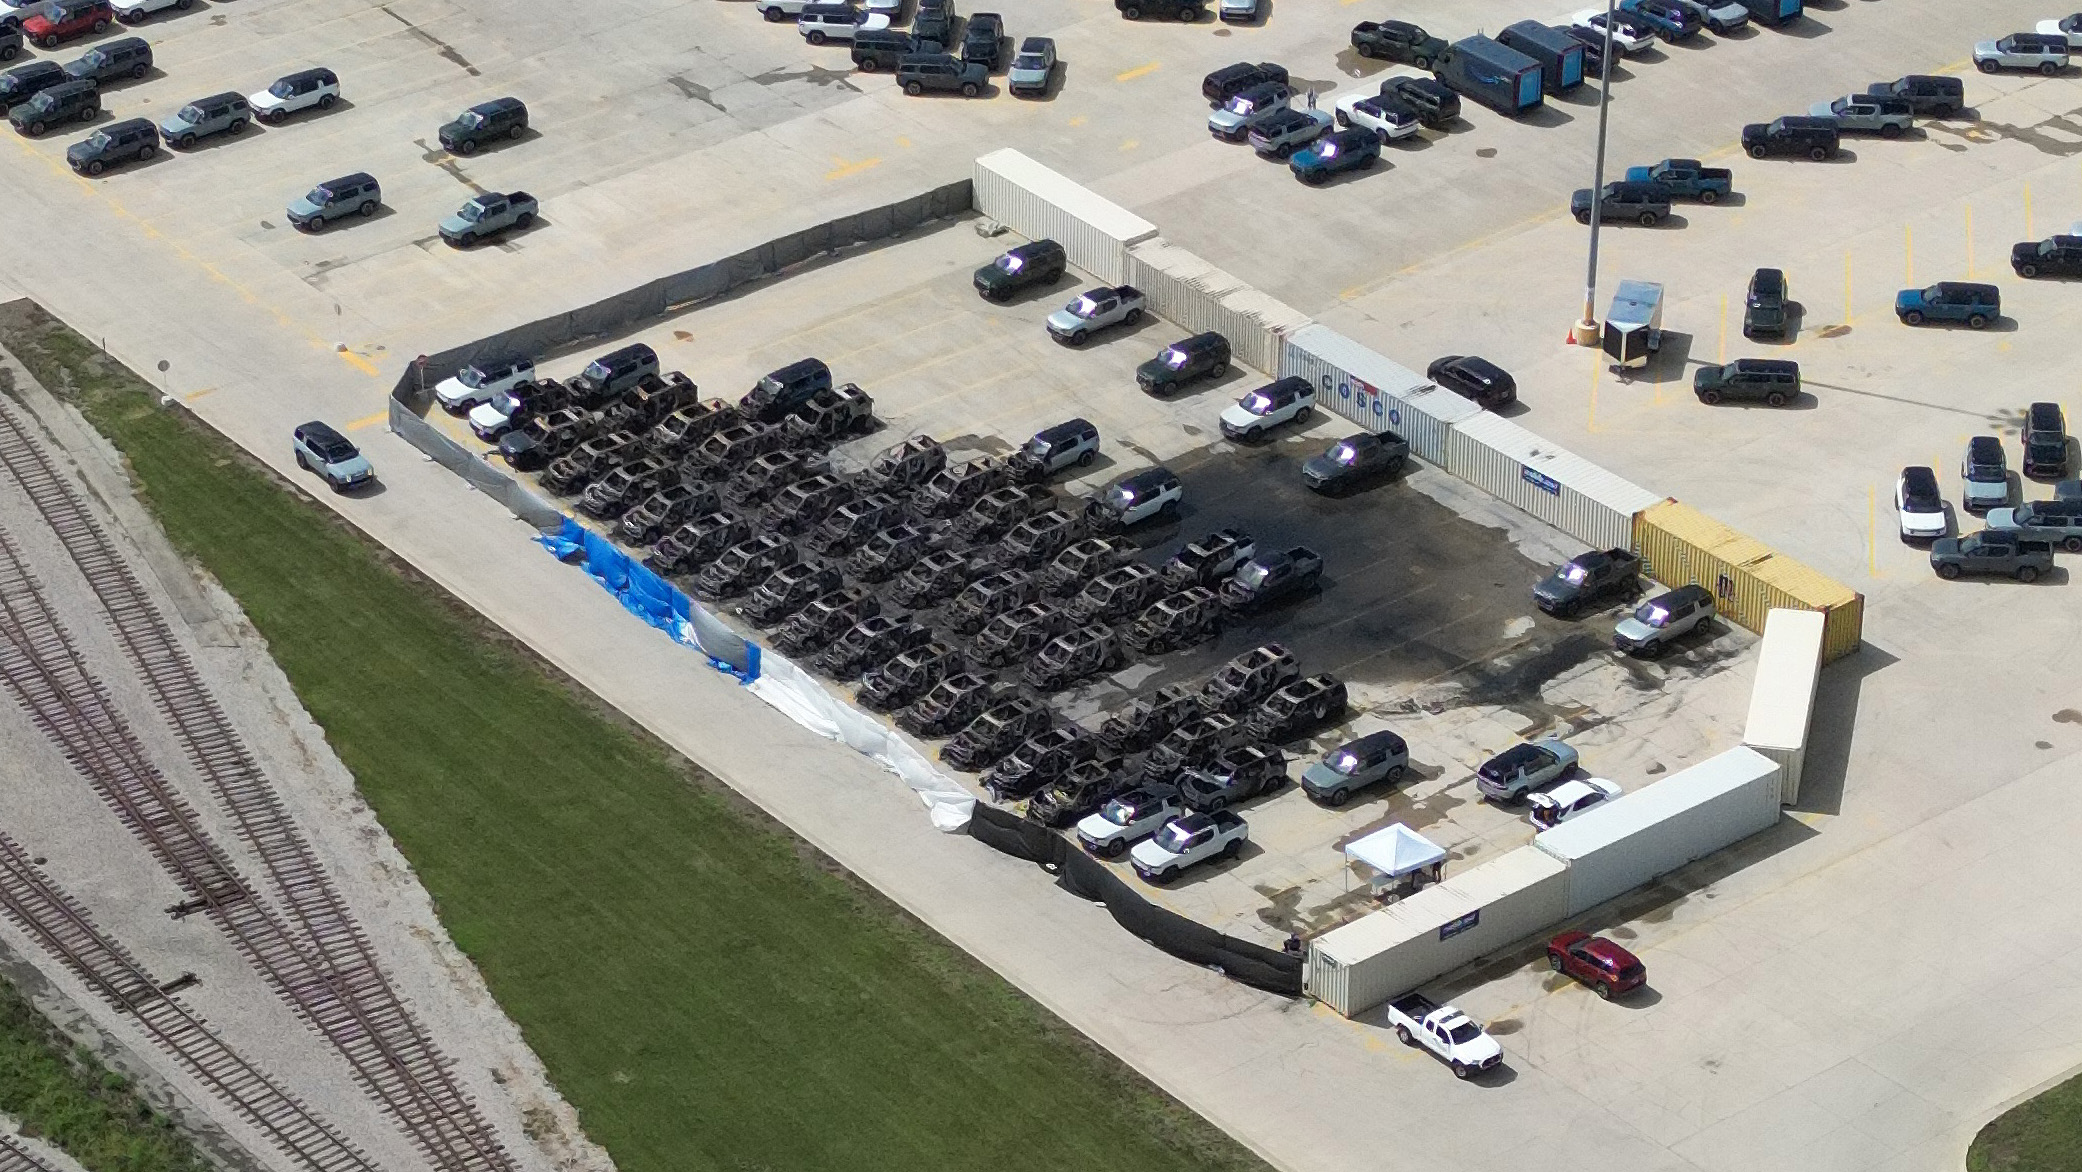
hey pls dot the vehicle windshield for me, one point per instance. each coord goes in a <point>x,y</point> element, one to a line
<point>1118,812</point>
<point>470,120</point>
<point>1257,403</point>
<point>2007,44</point>
<point>1574,574</point>
<point>1342,763</point>
<point>1986,473</point>
<point>1121,497</point>
<point>319,197</point>
<point>1917,501</point>
<point>1344,453</point>
<point>333,451</point>
<point>1173,838</point>
<point>1463,1033</point>
<point>1653,614</point>
<point>1253,574</point>
<point>2046,247</point>
<point>1009,263</point>
<point>189,114</point>
<point>1327,150</point>
<point>1934,293</point>
<point>283,88</point>
<point>1839,105</point>
<point>42,103</point>
<point>1241,105</point>
<point>1173,358</point>
<point>472,211</point>
<point>99,140</point>
<point>1084,307</point>
<point>1027,61</point>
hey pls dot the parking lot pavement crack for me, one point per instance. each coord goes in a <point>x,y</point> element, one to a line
<point>440,46</point>
<point>699,93</point>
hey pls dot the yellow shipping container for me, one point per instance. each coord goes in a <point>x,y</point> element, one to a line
<point>1682,546</point>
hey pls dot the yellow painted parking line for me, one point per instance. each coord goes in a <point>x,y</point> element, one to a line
<point>1872,529</point>
<point>1955,66</point>
<point>843,168</point>
<point>1597,370</point>
<point>1138,71</point>
<point>192,396</point>
<point>2028,233</point>
<point>359,363</point>
<point>1079,120</point>
<point>903,142</point>
<point>1129,144</point>
<point>1723,356</point>
<point>368,421</point>
<point>1908,255</point>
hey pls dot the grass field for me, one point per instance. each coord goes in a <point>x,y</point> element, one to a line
<point>707,992</point>
<point>2042,1134</point>
<point>65,1096</point>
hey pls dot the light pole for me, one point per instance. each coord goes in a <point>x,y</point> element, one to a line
<point>1586,333</point>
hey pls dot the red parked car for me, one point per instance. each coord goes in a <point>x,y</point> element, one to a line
<point>1597,962</point>
<point>67,19</point>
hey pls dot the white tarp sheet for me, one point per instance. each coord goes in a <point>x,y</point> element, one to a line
<point>806,702</point>
<point>1395,850</point>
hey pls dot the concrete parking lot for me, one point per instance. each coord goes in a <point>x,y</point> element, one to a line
<point>1862,990</point>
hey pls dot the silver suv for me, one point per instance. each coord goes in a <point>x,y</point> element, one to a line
<point>2046,53</point>
<point>1663,620</point>
<point>1886,117</point>
<point>203,117</point>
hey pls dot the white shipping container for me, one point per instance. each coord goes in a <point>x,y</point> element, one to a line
<point>1257,324</point>
<point>1547,480</point>
<point>1037,202</point>
<point>1373,391</point>
<point>1781,703</point>
<point>1392,951</point>
<point>1655,830</point>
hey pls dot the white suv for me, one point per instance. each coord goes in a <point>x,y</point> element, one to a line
<point>837,22</point>
<point>1569,799</point>
<point>1291,399</point>
<point>303,90</point>
<point>479,381</point>
<point>132,11</point>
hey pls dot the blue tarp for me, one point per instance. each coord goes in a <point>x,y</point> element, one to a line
<point>653,599</point>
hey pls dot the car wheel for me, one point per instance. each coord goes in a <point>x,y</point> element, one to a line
<point>1218,370</point>
<point>1648,219</point>
<point>466,147</point>
<point>1114,849</point>
<point>1818,153</point>
<point>1461,1070</point>
<point>144,152</point>
<point>1421,62</point>
<point>816,37</point>
<point>367,208</point>
<point>1313,178</point>
<point>1986,66</point>
<point>913,88</point>
<point>1403,1032</point>
<point>774,16</point>
<point>274,117</point>
<point>1252,434</point>
<point>1366,50</point>
<point>95,167</point>
<point>238,126</point>
<point>1652,651</point>
<point>2072,545</point>
<point>1132,12</point>
<point>300,461</point>
<point>1945,111</point>
<point>1583,217</point>
<point>969,89</point>
<point>1338,796</point>
<point>139,70</point>
<point>865,66</point>
<point>101,26</point>
<point>1393,775</point>
<point>1085,460</point>
<point>1977,321</point>
<point>35,129</point>
<point>1757,152</point>
<point>1554,961</point>
<point>1190,15</point>
<point>1077,337</point>
<point>2048,68</point>
<point>2027,270</point>
<point>524,219</point>
<point>1165,876</point>
<point>1234,848</point>
<point>1131,317</point>
<point>51,42</point>
<point>2027,573</point>
<point>1169,509</point>
<point>1304,415</point>
<point>1709,397</point>
<point>1890,130</point>
<point>1285,150</point>
<point>1913,317</point>
<point>315,224</point>
<point>1776,398</point>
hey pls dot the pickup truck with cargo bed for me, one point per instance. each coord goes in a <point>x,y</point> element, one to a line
<point>1685,177</point>
<point>1188,841</point>
<point>1586,578</point>
<point>1445,1031</point>
<point>487,215</point>
<point>1095,310</point>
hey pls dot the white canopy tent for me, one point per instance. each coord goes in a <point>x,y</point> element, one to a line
<point>1400,857</point>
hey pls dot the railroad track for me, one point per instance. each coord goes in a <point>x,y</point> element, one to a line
<point>14,1157</point>
<point>320,962</point>
<point>56,921</point>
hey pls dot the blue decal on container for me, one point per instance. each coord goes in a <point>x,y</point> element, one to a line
<point>1455,927</point>
<point>1541,480</point>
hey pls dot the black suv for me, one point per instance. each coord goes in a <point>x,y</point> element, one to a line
<point>1183,10</point>
<point>940,73</point>
<point>1038,262</point>
<point>983,39</point>
<point>1476,379</point>
<point>1646,203</point>
<point>1814,137</point>
<point>123,57</point>
<point>136,138</point>
<point>1932,97</point>
<point>2057,256</point>
<point>70,100</point>
<point>2045,441</point>
<point>483,123</point>
<point>1200,356</point>
<point>1436,104</point>
<point>786,390</point>
<point>1772,380</point>
<point>1764,309</point>
<point>1218,87</point>
<point>1397,40</point>
<point>23,82</point>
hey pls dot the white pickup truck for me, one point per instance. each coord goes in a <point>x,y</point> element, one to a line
<point>1188,841</point>
<point>1446,1032</point>
<point>1126,819</point>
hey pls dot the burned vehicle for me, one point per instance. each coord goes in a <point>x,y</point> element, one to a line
<point>1145,720</point>
<point>853,523</point>
<point>666,506</point>
<point>933,579</point>
<point>1076,654</point>
<point>869,642</point>
<point>831,414</point>
<point>824,619</point>
<point>698,542</point>
<point>1017,634</point>
<point>949,706</point>
<point>676,434</point>
<point>1089,785</point>
<point>889,552</point>
<point>891,685</point>
<point>575,469</point>
<point>1181,620</point>
<point>649,403</point>
<point>993,516</point>
<point>806,503</point>
<point>786,591</point>
<point>1083,562</point>
<point>1001,728</point>
<point>744,565</point>
<point>1033,542</point>
<point>731,448</point>
<point>1208,561</point>
<point>769,473</point>
<point>1039,760</point>
<point>618,490</point>
<point>1118,594</point>
<point>1297,708</point>
<point>542,438</point>
<point>954,488</point>
<point>1235,775</point>
<point>988,597</point>
<point>1245,680</point>
<point>902,467</point>
<point>1192,744</point>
